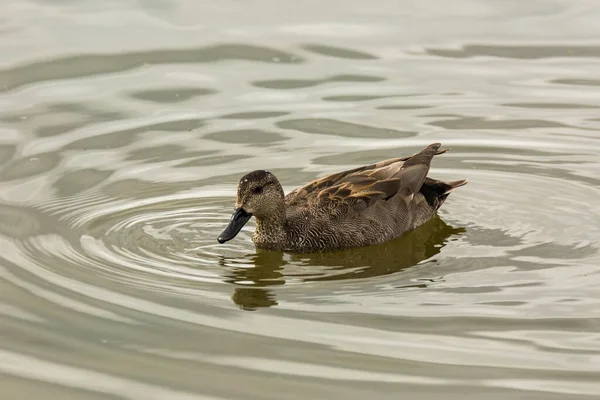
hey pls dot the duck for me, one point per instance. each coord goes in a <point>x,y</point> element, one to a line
<point>364,206</point>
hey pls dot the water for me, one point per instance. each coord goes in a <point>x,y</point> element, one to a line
<point>124,127</point>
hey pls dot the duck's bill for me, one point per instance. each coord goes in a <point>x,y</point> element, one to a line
<point>238,220</point>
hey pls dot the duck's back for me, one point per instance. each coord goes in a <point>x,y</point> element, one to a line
<point>366,205</point>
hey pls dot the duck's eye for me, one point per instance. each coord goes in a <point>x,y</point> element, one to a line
<point>257,190</point>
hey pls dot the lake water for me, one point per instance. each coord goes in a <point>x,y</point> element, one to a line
<point>125,125</point>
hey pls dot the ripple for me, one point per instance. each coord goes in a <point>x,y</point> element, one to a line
<point>126,137</point>
<point>355,98</point>
<point>565,106</point>
<point>207,161</point>
<point>171,95</point>
<point>26,167</point>
<point>7,152</point>
<point>403,107</point>
<point>246,136</point>
<point>577,81</point>
<point>338,52</point>
<point>483,123</point>
<point>526,52</point>
<point>16,222</point>
<point>305,83</point>
<point>255,115</point>
<point>158,244</point>
<point>88,65</point>
<point>166,152</point>
<point>78,378</point>
<point>340,128</point>
<point>78,181</point>
<point>55,119</point>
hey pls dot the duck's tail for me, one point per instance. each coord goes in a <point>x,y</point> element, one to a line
<point>436,192</point>
<point>450,186</point>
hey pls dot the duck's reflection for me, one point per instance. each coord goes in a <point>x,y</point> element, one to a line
<point>252,283</point>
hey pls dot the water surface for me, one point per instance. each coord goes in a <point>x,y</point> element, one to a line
<point>124,127</point>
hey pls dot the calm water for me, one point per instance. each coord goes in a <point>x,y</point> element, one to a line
<point>124,126</point>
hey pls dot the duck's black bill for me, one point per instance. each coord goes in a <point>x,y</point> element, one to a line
<point>238,220</point>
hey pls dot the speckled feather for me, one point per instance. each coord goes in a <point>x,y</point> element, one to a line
<point>362,206</point>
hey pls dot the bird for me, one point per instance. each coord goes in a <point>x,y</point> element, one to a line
<point>359,207</point>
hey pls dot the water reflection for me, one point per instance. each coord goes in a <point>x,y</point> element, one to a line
<point>264,270</point>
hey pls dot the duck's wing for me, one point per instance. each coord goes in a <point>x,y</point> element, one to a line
<point>362,186</point>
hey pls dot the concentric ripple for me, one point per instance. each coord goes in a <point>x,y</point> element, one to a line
<point>167,244</point>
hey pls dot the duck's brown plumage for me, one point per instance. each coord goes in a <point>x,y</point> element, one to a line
<point>363,206</point>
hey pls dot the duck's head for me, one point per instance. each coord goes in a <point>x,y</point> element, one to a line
<point>259,193</point>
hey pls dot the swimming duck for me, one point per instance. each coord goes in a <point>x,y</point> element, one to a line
<point>359,207</point>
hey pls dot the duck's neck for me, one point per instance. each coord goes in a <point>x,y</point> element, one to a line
<point>270,230</point>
